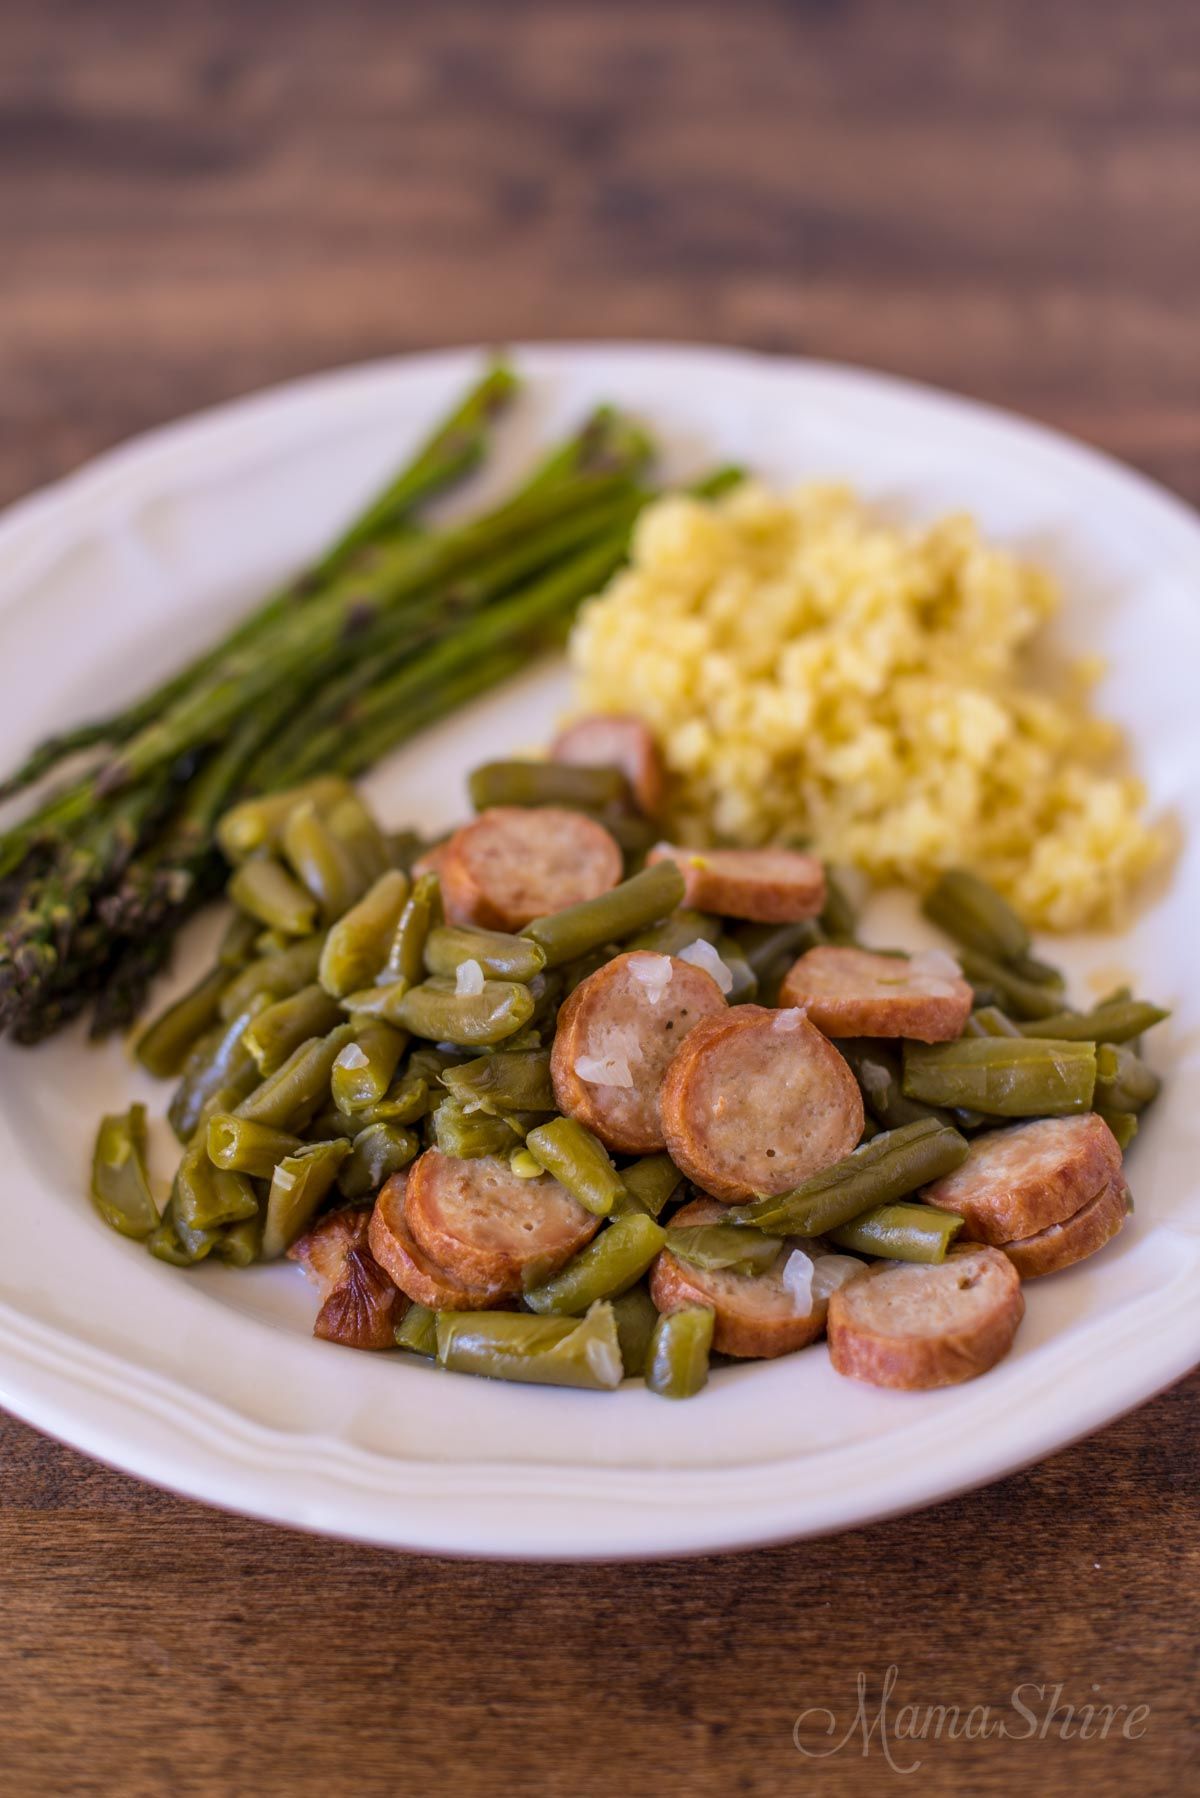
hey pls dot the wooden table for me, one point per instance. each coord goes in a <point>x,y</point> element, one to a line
<point>198,201</point>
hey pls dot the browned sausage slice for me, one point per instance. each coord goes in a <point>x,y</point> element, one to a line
<point>361,1306</point>
<point>616,740</point>
<point>1022,1180</point>
<point>854,992</point>
<point>755,1101</point>
<point>488,1227</point>
<point>1077,1237</point>
<point>512,864</point>
<point>756,1316</point>
<point>323,1251</point>
<point>415,1272</point>
<point>616,1034</point>
<point>909,1325</point>
<point>769,886</point>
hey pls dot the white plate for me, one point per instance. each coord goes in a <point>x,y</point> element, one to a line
<point>209,1382</point>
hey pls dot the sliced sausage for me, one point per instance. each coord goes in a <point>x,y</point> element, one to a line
<point>323,1251</point>
<point>1077,1237</point>
<point>616,1035</point>
<point>756,1316</point>
<point>1020,1181</point>
<point>616,740</point>
<point>364,1307</point>
<point>755,1101</point>
<point>488,1227</point>
<point>414,1272</point>
<point>769,886</point>
<point>854,992</point>
<point>360,1304</point>
<point>513,864</point>
<point>909,1325</point>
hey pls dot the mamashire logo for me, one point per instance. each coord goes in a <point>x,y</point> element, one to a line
<point>895,1730</point>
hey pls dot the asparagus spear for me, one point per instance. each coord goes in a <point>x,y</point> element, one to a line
<point>457,445</point>
<point>103,873</point>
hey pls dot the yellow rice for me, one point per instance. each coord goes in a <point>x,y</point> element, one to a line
<point>813,673</point>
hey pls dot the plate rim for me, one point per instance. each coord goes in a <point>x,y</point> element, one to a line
<point>34,1383</point>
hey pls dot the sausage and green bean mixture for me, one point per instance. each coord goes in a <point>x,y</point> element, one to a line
<point>551,1101</point>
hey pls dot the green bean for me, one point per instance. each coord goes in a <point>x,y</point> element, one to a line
<point>403,1103</point>
<point>120,1180</point>
<point>258,823</point>
<point>1117,1021</point>
<point>1123,1124</point>
<point>205,1197</point>
<point>574,973</point>
<point>365,1068</point>
<point>177,1244</point>
<point>271,942</point>
<point>1123,1081</point>
<point>322,862</point>
<point>745,981</point>
<point>508,1080</point>
<point>237,944</point>
<point>357,946</point>
<point>298,1185</point>
<point>265,889</point>
<point>290,1098</point>
<point>989,1021</point>
<point>164,1046</point>
<point>470,1134</point>
<point>499,956</point>
<point>636,1315</point>
<point>1005,1077</point>
<point>546,783</point>
<point>677,1359</point>
<point>770,951</point>
<point>241,1243</point>
<point>422,911</point>
<point>382,1003</point>
<point>438,1011</point>
<point>877,1069</point>
<point>648,1186</point>
<point>219,1060</point>
<point>683,928</point>
<point>241,1147</point>
<point>523,1164</point>
<point>278,976</point>
<point>628,908</point>
<point>975,915</point>
<point>405,847</point>
<point>417,1331</point>
<point>633,834</point>
<point>350,821</point>
<point>432,1061</point>
<point>839,918</point>
<point>279,1030</point>
<point>329,1124</point>
<point>609,1265</point>
<point>883,1169</point>
<point>579,1161</point>
<point>766,946</point>
<point>379,1151</point>
<point>545,1351</point>
<point>1016,995</point>
<point>731,1248</point>
<point>900,1233</point>
<point>966,1120</point>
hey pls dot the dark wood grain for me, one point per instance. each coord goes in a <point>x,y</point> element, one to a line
<point>196,201</point>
